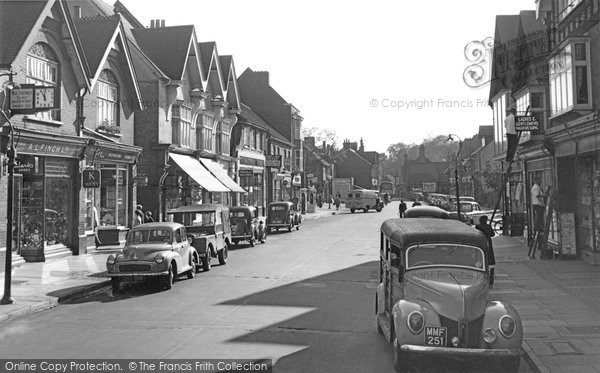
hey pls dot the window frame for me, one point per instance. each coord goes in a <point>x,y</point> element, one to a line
<point>111,103</point>
<point>181,126</point>
<point>52,115</point>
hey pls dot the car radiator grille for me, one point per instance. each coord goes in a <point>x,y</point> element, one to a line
<point>135,267</point>
<point>471,335</point>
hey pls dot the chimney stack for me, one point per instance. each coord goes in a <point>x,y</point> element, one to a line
<point>162,23</point>
<point>152,23</point>
<point>77,11</point>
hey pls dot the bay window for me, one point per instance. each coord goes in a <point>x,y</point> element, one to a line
<point>570,86</point>
<point>182,125</point>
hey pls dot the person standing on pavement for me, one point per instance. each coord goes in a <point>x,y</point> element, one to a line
<point>148,217</point>
<point>138,217</point>
<point>537,204</point>
<point>488,231</point>
<point>337,202</point>
<point>402,208</point>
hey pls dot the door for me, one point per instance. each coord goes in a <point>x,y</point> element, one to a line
<point>180,246</point>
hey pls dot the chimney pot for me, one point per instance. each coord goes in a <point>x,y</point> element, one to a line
<point>162,23</point>
<point>77,11</point>
<point>151,23</point>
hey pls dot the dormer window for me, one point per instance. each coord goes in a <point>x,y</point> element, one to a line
<point>108,102</point>
<point>43,70</point>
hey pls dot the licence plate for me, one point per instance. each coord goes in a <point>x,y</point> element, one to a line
<point>435,336</point>
<point>128,278</point>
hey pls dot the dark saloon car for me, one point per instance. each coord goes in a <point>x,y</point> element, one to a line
<point>433,301</point>
<point>426,212</point>
<point>283,215</point>
<point>160,250</point>
<point>244,224</point>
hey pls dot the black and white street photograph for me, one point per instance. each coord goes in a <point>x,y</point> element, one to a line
<point>299,186</point>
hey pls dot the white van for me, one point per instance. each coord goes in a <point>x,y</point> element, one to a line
<point>364,199</point>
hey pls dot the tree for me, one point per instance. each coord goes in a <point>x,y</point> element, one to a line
<point>321,134</point>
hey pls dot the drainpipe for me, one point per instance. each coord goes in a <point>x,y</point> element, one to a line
<point>80,117</point>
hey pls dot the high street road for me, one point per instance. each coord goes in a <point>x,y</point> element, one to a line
<point>304,299</point>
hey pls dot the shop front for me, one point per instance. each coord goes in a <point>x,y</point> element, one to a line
<point>542,169</point>
<point>109,203</point>
<point>251,178</point>
<point>219,171</point>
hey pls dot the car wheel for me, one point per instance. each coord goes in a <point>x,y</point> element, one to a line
<point>298,227</point>
<point>252,242</point>
<point>378,209</point>
<point>400,363</point>
<point>206,262</point>
<point>352,210</point>
<point>169,279</point>
<point>366,210</point>
<point>116,284</point>
<point>236,242</point>
<point>192,272</point>
<point>223,256</point>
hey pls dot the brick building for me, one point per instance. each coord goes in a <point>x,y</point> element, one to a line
<point>364,166</point>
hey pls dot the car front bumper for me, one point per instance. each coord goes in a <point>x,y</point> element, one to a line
<point>462,354</point>
<point>137,274</point>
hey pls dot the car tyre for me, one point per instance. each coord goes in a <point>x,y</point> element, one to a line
<point>192,272</point>
<point>289,227</point>
<point>169,279</point>
<point>206,262</point>
<point>252,242</point>
<point>223,256</point>
<point>116,284</point>
<point>365,210</point>
<point>298,227</point>
<point>400,363</point>
<point>352,210</point>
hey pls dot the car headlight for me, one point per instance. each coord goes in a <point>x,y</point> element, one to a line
<point>159,258</point>
<point>415,322</point>
<point>111,259</point>
<point>489,336</point>
<point>507,326</point>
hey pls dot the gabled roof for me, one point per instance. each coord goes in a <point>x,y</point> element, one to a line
<point>230,80</point>
<point>167,47</point>
<point>206,54</point>
<point>212,69</point>
<point>529,23</point>
<point>97,34</point>
<point>17,20</point>
<point>121,8</point>
<point>343,154</point>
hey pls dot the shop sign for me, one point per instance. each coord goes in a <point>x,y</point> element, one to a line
<point>91,178</point>
<point>526,123</point>
<point>31,99</point>
<point>297,181</point>
<point>245,172</point>
<point>25,165</point>
<point>115,155</point>
<point>47,147</point>
<point>429,187</point>
<point>273,161</point>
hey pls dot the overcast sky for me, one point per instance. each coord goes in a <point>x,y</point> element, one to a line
<point>385,70</point>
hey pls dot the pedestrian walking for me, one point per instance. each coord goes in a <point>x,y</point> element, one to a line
<point>138,217</point>
<point>337,202</point>
<point>402,208</point>
<point>262,235</point>
<point>488,231</point>
<point>319,200</point>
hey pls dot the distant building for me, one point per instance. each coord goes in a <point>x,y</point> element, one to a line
<point>364,166</point>
<point>422,170</point>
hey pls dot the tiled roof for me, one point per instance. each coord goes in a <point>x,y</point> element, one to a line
<point>206,53</point>
<point>249,115</point>
<point>225,66</point>
<point>16,22</point>
<point>167,47</point>
<point>95,34</point>
<point>121,8</point>
<point>507,28</point>
<point>529,22</point>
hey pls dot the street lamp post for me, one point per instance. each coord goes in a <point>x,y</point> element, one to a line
<point>11,153</point>
<point>456,182</point>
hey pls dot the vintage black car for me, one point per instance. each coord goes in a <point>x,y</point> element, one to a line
<point>433,301</point>
<point>283,215</point>
<point>426,212</point>
<point>245,225</point>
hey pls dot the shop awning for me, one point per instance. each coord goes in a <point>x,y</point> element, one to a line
<point>197,172</point>
<point>221,174</point>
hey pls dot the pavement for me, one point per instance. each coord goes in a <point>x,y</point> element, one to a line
<point>558,300</point>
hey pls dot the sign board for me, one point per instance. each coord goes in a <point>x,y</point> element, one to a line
<point>374,181</point>
<point>297,180</point>
<point>429,187</point>
<point>246,172</point>
<point>526,123</point>
<point>91,178</point>
<point>25,165</point>
<point>273,161</point>
<point>30,99</point>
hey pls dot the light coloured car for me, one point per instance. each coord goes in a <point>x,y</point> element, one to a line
<point>159,250</point>
<point>433,301</point>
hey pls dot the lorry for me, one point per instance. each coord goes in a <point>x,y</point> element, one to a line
<point>342,185</point>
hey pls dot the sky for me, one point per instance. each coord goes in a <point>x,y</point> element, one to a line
<point>386,71</point>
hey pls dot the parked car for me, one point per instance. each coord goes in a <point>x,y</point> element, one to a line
<point>426,212</point>
<point>154,250</point>
<point>363,199</point>
<point>433,301</point>
<point>283,215</point>
<point>208,226</point>
<point>469,211</point>
<point>244,224</point>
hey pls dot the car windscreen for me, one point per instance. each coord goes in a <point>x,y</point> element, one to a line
<point>237,214</point>
<point>157,235</point>
<point>466,207</point>
<point>278,208</point>
<point>198,219</point>
<point>440,254</point>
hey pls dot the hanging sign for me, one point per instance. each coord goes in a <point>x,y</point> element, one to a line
<point>31,99</point>
<point>526,123</point>
<point>91,178</point>
<point>246,172</point>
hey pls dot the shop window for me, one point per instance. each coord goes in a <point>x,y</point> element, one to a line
<point>182,125</point>
<point>570,86</point>
<point>113,195</point>
<point>43,70</point>
<point>108,102</point>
